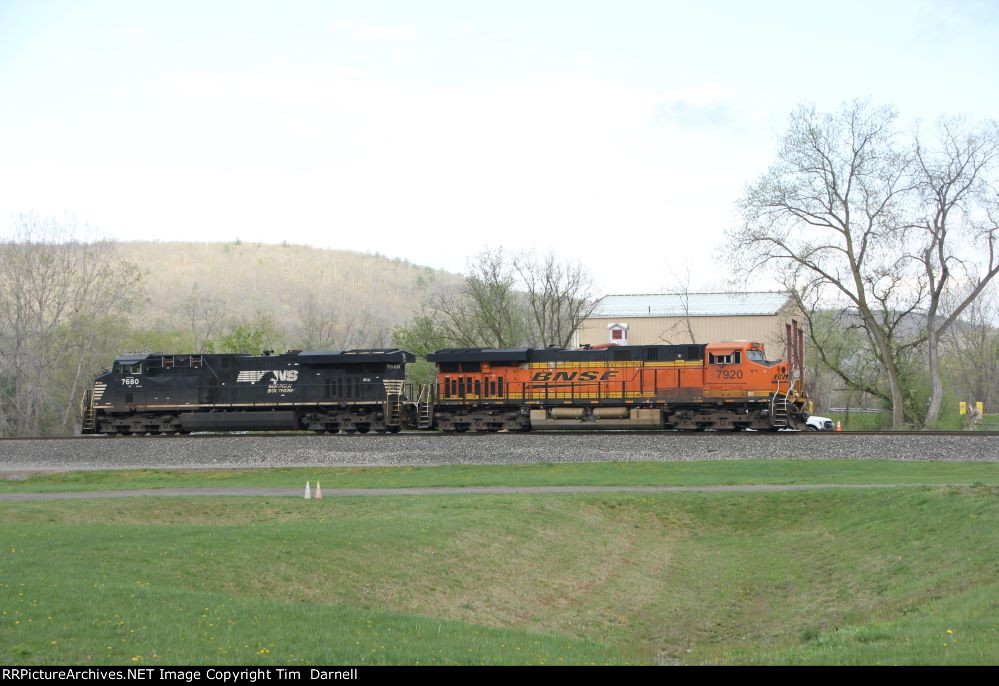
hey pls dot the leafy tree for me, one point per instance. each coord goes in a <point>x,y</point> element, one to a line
<point>420,336</point>
<point>250,337</point>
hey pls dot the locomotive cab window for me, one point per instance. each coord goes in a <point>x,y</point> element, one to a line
<point>735,357</point>
<point>755,355</point>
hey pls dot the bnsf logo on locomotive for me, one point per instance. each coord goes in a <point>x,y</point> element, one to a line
<point>285,375</point>
<point>573,376</point>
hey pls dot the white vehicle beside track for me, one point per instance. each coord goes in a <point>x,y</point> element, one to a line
<point>817,423</point>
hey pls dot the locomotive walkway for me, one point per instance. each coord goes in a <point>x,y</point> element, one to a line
<point>448,490</point>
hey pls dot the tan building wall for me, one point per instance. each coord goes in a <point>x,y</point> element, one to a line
<point>766,329</point>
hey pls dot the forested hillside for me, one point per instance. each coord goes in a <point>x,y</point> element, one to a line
<point>303,297</point>
<point>68,307</point>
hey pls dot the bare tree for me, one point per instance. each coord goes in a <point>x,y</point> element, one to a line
<point>58,296</point>
<point>327,327</point>
<point>560,296</point>
<point>959,219</point>
<point>204,316</point>
<point>489,310</point>
<point>680,287</point>
<point>507,301</point>
<point>827,214</point>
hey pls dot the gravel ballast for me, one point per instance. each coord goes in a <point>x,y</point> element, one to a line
<point>243,451</point>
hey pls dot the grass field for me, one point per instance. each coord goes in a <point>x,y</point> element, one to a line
<point>895,576</point>
<point>695,473</point>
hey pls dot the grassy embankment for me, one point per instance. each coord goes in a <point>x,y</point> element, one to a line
<point>899,575</point>
<point>695,473</point>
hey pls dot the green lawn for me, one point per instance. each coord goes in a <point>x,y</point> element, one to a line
<point>902,575</point>
<point>695,473</point>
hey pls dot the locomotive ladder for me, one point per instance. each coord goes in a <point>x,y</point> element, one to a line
<point>425,408</point>
<point>88,423</point>
<point>779,408</point>
<point>393,402</point>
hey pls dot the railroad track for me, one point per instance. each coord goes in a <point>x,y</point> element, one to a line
<point>528,435</point>
<point>235,451</point>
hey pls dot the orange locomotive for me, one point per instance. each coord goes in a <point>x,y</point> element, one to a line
<point>727,386</point>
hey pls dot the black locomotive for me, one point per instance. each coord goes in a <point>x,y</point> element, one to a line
<point>352,391</point>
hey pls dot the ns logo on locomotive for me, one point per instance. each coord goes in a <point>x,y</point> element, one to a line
<point>721,386</point>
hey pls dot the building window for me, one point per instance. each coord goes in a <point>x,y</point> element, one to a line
<point>618,333</point>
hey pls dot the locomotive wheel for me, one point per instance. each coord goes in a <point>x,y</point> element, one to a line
<point>394,429</point>
<point>363,428</point>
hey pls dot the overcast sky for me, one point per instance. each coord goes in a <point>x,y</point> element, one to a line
<point>616,133</point>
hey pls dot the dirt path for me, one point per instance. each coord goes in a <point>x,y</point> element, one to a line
<point>444,490</point>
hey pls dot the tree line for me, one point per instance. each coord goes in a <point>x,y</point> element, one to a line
<point>70,303</point>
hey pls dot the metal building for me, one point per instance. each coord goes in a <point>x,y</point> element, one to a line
<point>649,319</point>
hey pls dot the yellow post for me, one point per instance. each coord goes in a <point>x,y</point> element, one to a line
<point>981,408</point>
<point>963,408</point>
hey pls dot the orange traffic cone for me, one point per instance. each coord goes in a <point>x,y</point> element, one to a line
<point>839,427</point>
<point>319,491</point>
<point>308,493</point>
